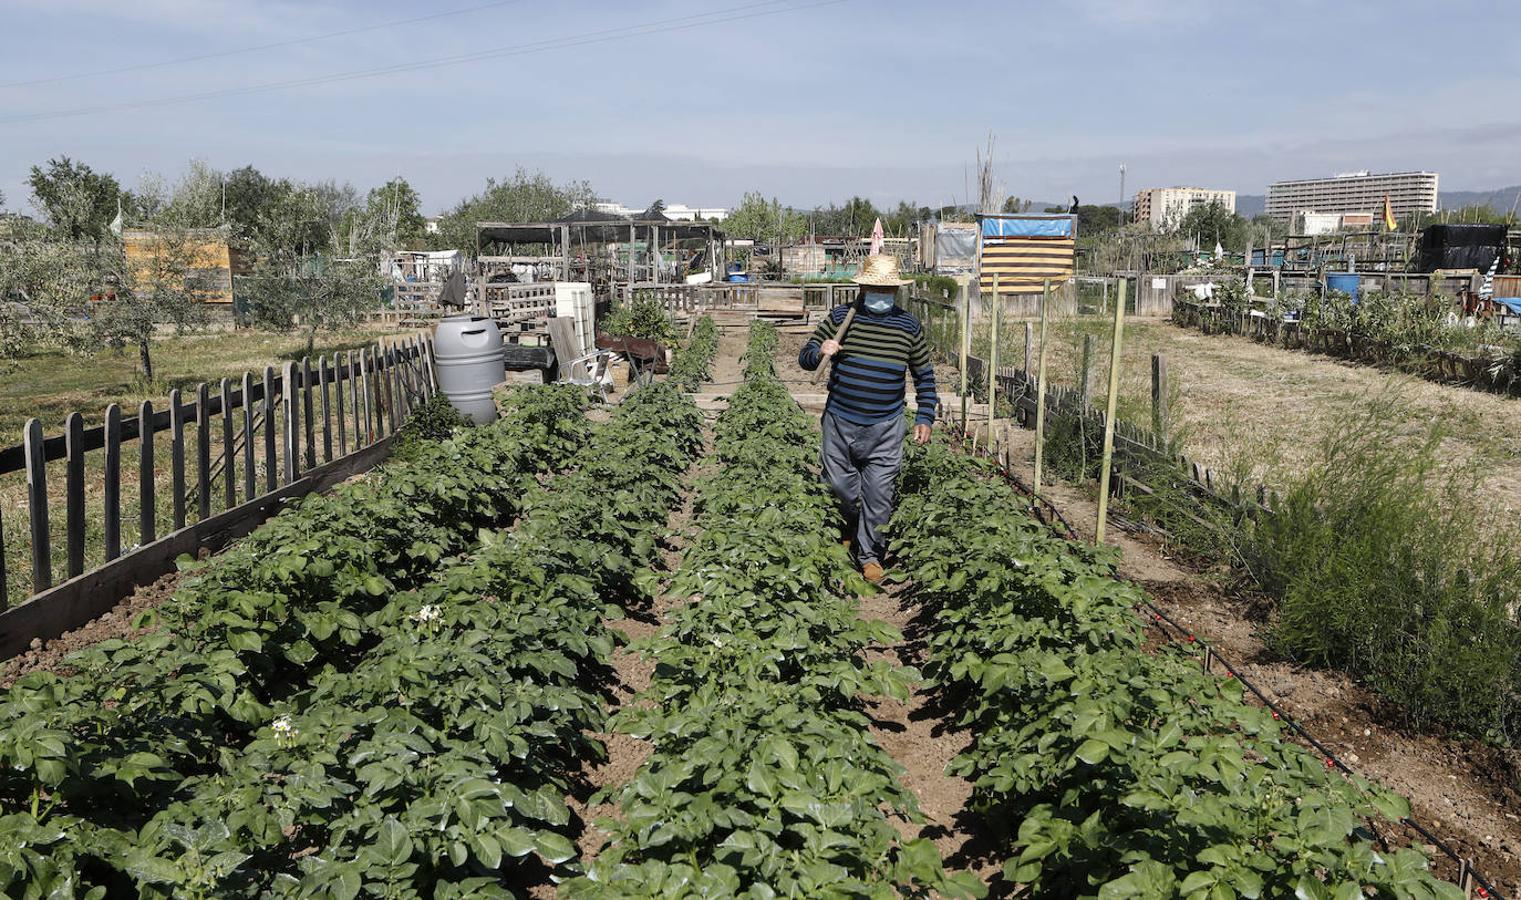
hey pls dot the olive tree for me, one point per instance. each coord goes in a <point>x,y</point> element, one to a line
<point>299,284</point>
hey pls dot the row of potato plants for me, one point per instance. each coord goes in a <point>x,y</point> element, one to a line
<point>1119,769</point>
<point>438,766</point>
<point>90,753</point>
<point>763,779</point>
<point>693,364</point>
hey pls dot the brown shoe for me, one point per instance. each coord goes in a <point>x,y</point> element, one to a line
<point>872,572</point>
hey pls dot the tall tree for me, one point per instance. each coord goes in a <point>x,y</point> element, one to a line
<point>77,201</point>
<point>524,197</point>
<point>390,218</point>
<point>1211,223</point>
<point>298,283</point>
<point>162,281</point>
<point>759,219</point>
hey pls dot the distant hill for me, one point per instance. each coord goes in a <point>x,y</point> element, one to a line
<point>1501,199</point>
<point>1249,205</point>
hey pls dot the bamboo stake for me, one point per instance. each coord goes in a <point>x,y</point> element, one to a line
<point>993,364</point>
<point>1040,393</point>
<point>1114,390</point>
<point>965,312</point>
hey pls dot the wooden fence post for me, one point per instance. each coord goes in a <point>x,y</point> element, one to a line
<point>37,507</point>
<point>147,508</point>
<point>308,421</point>
<point>229,449</point>
<point>384,372</point>
<point>1159,397</point>
<point>966,351</point>
<point>364,387</point>
<point>325,378</point>
<point>112,490</point>
<point>993,362</point>
<point>250,436</point>
<point>203,451</point>
<point>291,402</point>
<point>343,425</point>
<point>1040,393</point>
<point>1029,345</point>
<point>74,488</point>
<point>177,458</point>
<point>1115,357</point>
<point>271,458</point>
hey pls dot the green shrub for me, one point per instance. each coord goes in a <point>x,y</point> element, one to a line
<point>1378,566</point>
<point>644,317</point>
<point>941,287</point>
<point>435,420</point>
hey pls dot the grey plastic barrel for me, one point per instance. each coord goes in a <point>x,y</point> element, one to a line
<point>468,353</point>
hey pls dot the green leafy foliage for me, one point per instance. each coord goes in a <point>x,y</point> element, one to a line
<point>97,751</point>
<point>436,419</point>
<point>643,317</point>
<point>1127,772</point>
<point>439,762</point>
<point>763,780</point>
<point>694,361</point>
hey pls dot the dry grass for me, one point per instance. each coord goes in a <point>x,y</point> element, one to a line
<point>1239,400</point>
<point>50,385</point>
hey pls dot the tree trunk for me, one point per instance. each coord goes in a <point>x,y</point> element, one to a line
<point>144,360</point>
<point>311,337</point>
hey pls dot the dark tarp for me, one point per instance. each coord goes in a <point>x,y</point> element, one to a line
<point>1459,247</point>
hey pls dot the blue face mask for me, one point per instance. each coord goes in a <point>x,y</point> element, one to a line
<point>879,301</point>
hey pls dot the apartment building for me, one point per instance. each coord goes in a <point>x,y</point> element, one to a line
<point>1354,192</point>
<point>1162,209</point>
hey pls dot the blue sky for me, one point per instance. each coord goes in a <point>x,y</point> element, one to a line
<point>810,103</point>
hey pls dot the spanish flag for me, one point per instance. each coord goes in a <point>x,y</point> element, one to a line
<point>1389,223</point>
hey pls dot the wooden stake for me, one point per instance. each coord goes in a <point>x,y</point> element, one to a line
<point>1040,393</point>
<point>993,364</point>
<point>1114,391</point>
<point>966,348</point>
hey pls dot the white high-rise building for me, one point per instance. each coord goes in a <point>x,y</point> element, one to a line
<point>1163,209</point>
<point>1354,192</point>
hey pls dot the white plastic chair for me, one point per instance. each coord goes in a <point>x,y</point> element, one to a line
<point>589,371</point>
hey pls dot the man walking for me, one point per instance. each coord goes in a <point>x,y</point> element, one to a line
<point>863,418</point>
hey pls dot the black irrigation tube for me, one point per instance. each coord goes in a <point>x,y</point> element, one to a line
<point>1466,868</point>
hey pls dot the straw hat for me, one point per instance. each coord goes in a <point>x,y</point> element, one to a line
<point>880,271</point>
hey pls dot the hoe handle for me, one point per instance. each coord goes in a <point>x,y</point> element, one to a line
<point>839,336</point>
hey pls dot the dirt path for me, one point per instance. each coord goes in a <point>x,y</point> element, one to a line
<point>921,740</point>
<point>1464,791</point>
<point>625,754</point>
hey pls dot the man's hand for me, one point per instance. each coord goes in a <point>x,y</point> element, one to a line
<point>921,434</point>
<point>829,348</point>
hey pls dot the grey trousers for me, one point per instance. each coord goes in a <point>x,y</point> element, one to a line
<point>861,464</point>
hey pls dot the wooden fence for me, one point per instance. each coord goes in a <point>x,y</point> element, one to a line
<point>1141,453</point>
<point>277,435</point>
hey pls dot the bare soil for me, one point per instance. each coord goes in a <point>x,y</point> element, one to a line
<point>113,624</point>
<point>632,671</point>
<point>923,741</point>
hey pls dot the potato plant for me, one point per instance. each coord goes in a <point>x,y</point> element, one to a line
<point>1123,772</point>
<point>695,360</point>
<point>88,756</point>
<point>764,780</point>
<point>439,764</point>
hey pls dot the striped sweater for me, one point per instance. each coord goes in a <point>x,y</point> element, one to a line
<point>866,384</point>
